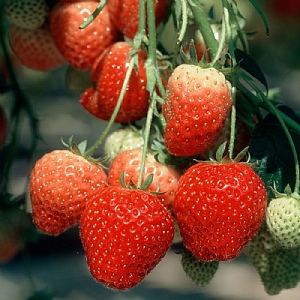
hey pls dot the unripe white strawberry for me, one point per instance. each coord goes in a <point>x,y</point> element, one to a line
<point>27,14</point>
<point>124,138</point>
<point>201,273</point>
<point>283,220</point>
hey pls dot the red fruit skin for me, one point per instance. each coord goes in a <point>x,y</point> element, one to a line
<point>219,208</point>
<point>165,179</point>
<point>125,234</point>
<point>3,126</point>
<point>108,75</point>
<point>81,47</point>
<point>125,14</point>
<point>61,184</point>
<point>35,48</point>
<point>196,105</point>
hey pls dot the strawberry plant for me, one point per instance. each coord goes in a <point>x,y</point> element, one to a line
<point>204,155</point>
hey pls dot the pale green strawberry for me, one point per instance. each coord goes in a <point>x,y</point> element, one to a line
<point>279,268</point>
<point>27,14</point>
<point>124,138</point>
<point>283,219</point>
<point>201,273</point>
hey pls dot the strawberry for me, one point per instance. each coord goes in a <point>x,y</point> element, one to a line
<point>3,126</point>
<point>110,72</point>
<point>125,234</point>
<point>80,47</point>
<point>61,184</point>
<point>279,268</point>
<point>219,207</point>
<point>35,48</point>
<point>27,14</point>
<point>124,138</point>
<point>283,219</point>
<point>125,14</point>
<point>196,106</point>
<point>201,273</point>
<point>10,233</point>
<point>165,177</point>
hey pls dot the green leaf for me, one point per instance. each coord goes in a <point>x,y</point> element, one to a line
<point>247,63</point>
<point>269,146</point>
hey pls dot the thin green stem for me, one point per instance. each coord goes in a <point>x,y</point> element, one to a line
<point>93,16</point>
<point>151,69</point>
<point>203,24</point>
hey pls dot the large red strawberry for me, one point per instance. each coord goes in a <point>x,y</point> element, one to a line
<point>165,178</point>
<point>197,103</point>
<point>35,48</point>
<point>125,14</point>
<point>125,234</point>
<point>108,75</point>
<point>219,207</point>
<point>81,47</point>
<point>61,184</point>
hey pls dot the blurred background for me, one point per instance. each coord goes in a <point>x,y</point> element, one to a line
<point>55,266</point>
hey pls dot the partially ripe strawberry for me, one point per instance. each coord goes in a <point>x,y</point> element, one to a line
<point>201,273</point>
<point>219,207</point>
<point>165,178</point>
<point>283,220</point>
<point>125,234</point>
<point>80,47</point>
<point>124,138</point>
<point>61,184</point>
<point>27,14</point>
<point>35,48</point>
<point>196,106</point>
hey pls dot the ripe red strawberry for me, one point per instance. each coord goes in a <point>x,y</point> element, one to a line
<point>3,126</point>
<point>110,72</point>
<point>125,234</point>
<point>165,178</point>
<point>35,48</point>
<point>125,14</point>
<point>196,106</point>
<point>81,47</point>
<point>219,207</point>
<point>27,14</point>
<point>61,184</point>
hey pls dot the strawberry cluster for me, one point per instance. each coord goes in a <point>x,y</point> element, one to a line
<point>175,172</point>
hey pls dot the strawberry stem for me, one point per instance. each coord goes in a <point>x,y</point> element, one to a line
<point>204,27</point>
<point>93,16</point>
<point>152,79</point>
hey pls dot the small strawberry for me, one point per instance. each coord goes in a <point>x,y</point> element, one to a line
<point>110,72</point>
<point>27,14</point>
<point>283,219</point>
<point>124,138</point>
<point>80,47</point>
<point>201,273</point>
<point>3,126</point>
<point>61,184</point>
<point>165,178</point>
<point>219,207</point>
<point>196,106</point>
<point>125,234</point>
<point>125,14</point>
<point>11,229</point>
<point>35,48</point>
